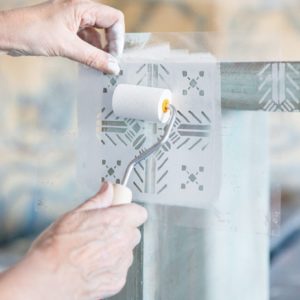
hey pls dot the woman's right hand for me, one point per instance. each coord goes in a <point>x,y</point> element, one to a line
<point>86,254</point>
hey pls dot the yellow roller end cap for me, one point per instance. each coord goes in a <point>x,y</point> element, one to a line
<point>165,105</point>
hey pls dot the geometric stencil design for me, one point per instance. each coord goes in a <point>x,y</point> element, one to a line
<point>114,130</point>
<point>185,170</point>
<point>111,171</point>
<point>193,83</point>
<point>191,130</point>
<point>192,178</point>
<point>277,88</point>
<point>159,180</point>
<point>152,74</point>
<point>112,82</point>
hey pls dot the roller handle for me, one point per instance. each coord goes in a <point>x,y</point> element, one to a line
<point>122,195</point>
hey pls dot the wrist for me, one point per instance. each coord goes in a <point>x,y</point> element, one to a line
<point>5,43</point>
<point>15,27</point>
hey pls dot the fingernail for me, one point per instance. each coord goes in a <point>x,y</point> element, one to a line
<point>114,53</point>
<point>113,66</point>
<point>116,50</point>
<point>104,187</point>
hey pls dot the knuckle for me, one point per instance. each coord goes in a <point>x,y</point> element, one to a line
<point>130,259</point>
<point>67,223</point>
<point>137,236</point>
<point>144,213</point>
<point>120,14</point>
<point>141,211</point>
<point>94,60</point>
<point>108,260</point>
<point>125,262</point>
<point>128,239</point>
<point>109,231</point>
<point>111,258</point>
<point>123,238</point>
<point>120,284</point>
<point>113,217</point>
<point>118,245</point>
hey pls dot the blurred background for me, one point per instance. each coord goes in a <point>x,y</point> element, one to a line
<point>38,128</point>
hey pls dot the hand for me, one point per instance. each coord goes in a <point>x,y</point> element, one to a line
<point>86,254</point>
<point>65,28</point>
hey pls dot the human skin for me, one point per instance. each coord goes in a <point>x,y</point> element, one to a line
<point>85,255</point>
<point>66,28</point>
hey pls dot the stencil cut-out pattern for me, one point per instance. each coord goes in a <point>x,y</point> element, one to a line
<point>195,139</point>
<point>277,88</point>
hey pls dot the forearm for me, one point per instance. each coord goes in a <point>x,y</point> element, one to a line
<point>27,280</point>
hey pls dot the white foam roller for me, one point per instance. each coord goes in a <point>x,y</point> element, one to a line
<point>122,195</point>
<point>142,103</point>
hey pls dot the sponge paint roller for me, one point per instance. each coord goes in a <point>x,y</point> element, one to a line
<point>142,103</point>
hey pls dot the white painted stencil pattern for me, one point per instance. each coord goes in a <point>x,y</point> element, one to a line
<point>185,171</point>
<point>278,90</point>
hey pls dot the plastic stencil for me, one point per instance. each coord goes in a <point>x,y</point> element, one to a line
<point>184,172</point>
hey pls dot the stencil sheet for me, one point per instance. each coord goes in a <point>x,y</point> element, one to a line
<point>184,172</point>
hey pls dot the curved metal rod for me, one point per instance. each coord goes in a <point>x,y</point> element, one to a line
<point>154,148</point>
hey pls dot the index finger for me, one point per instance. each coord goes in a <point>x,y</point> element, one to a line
<point>132,215</point>
<point>116,38</point>
<point>110,19</point>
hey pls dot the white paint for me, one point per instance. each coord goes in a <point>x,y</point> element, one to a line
<point>116,39</point>
<point>113,66</point>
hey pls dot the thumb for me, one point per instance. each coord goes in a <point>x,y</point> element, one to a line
<point>85,53</point>
<point>102,199</point>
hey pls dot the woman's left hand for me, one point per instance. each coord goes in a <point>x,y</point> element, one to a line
<point>65,28</point>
